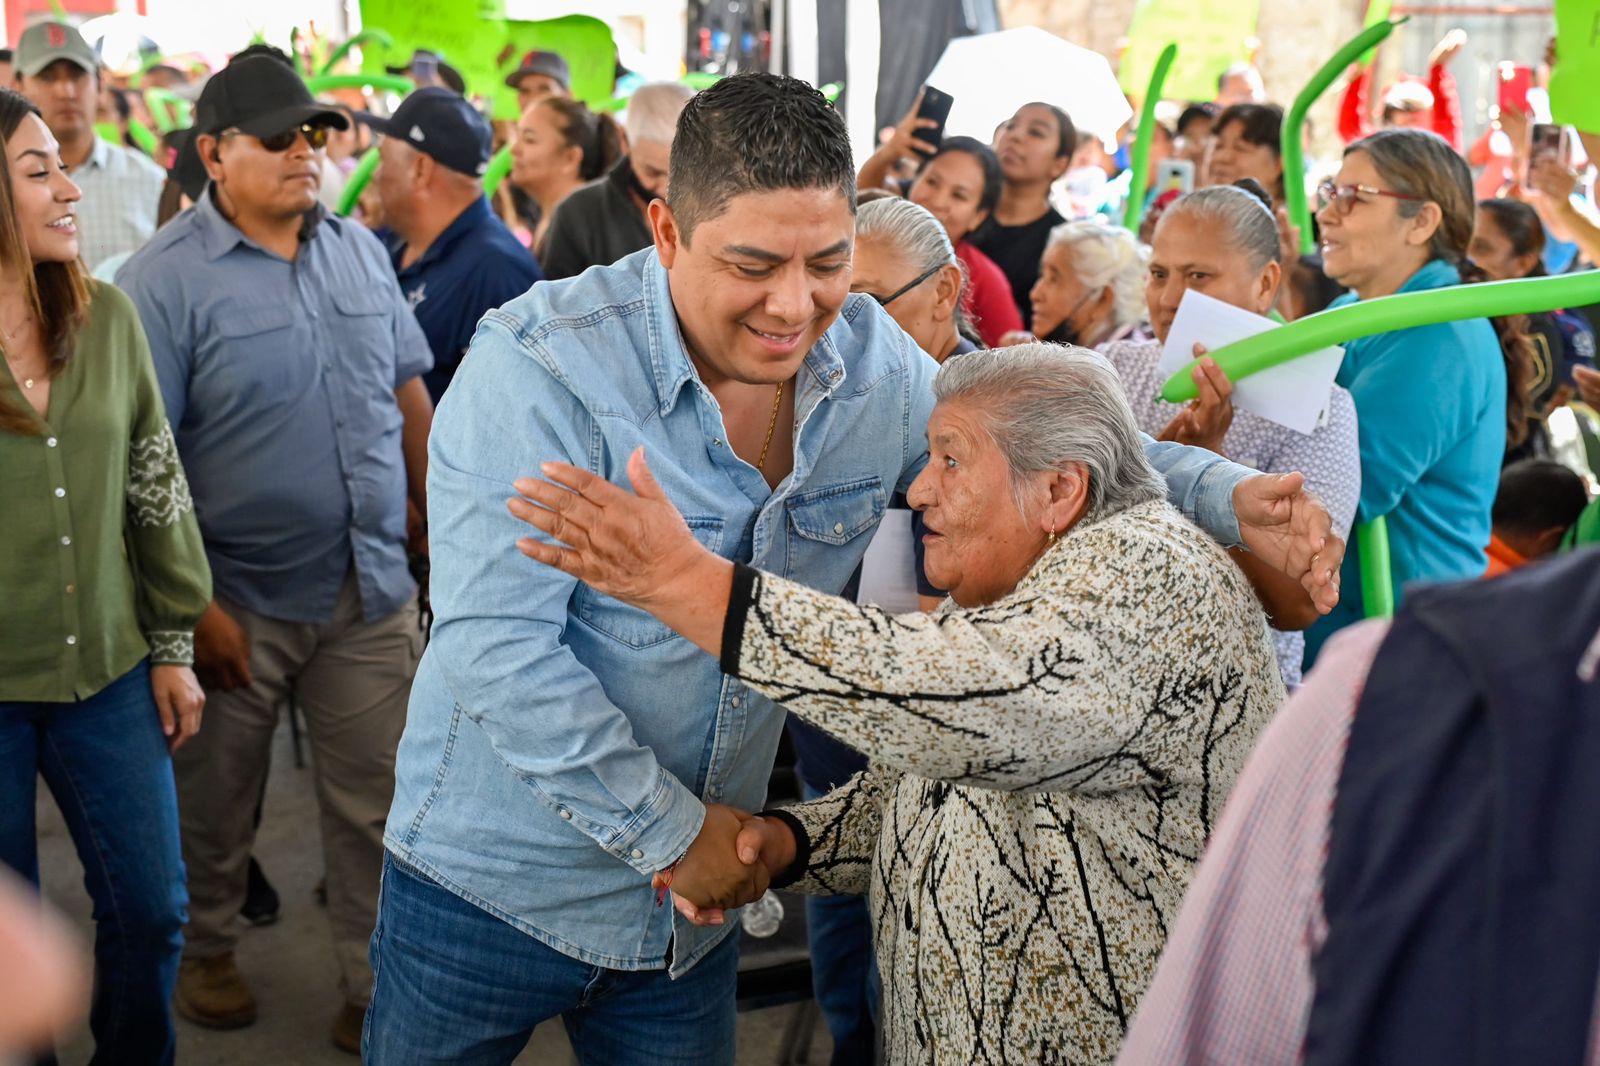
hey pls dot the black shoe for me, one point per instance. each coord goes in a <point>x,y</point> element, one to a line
<point>260,898</point>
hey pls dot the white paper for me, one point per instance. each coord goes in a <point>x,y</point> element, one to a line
<point>889,571</point>
<point>1293,394</point>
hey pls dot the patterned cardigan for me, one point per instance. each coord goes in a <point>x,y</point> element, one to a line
<point>1045,773</point>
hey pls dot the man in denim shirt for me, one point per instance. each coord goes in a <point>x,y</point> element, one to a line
<point>561,747</point>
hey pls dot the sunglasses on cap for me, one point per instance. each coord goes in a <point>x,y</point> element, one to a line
<point>316,137</point>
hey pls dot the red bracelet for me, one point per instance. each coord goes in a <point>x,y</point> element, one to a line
<point>666,883</point>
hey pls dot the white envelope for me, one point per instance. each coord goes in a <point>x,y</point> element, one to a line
<point>1292,394</point>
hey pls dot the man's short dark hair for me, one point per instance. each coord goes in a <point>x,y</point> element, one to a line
<point>755,133</point>
<point>1536,495</point>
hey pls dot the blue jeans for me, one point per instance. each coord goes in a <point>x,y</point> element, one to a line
<point>105,761</point>
<point>453,984</point>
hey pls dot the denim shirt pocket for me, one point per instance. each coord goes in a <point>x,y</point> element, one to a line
<point>837,514</point>
<point>629,625</point>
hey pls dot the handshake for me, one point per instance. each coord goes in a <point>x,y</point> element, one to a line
<point>731,863</point>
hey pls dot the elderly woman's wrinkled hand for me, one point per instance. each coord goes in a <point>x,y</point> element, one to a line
<point>633,546</point>
<point>1287,527</point>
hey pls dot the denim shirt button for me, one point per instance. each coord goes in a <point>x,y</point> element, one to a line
<point>736,702</point>
<point>636,853</point>
<point>566,814</point>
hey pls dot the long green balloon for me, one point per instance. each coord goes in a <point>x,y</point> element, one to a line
<point>392,82</point>
<point>373,36</point>
<point>1141,141</point>
<point>1387,314</point>
<point>359,177</point>
<point>499,167</point>
<point>1291,143</point>
<point>170,111</point>
<point>1377,577</point>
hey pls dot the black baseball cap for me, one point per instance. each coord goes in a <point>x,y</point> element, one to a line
<point>441,124</point>
<point>260,96</point>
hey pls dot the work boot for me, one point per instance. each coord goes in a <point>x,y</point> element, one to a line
<point>212,993</point>
<point>347,1028</point>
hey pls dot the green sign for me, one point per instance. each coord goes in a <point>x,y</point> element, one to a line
<point>1573,99</point>
<point>473,37</point>
<point>1210,34</point>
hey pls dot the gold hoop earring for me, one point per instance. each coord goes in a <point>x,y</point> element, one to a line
<point>1052,537</point>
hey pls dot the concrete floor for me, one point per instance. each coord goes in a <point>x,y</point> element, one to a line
<point>290,964</point>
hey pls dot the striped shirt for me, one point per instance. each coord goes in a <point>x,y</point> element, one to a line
<point>121,190</point>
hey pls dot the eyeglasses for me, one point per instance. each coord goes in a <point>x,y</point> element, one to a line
<point>316,137</point>
<point>885,301</point>
<point>1344,196</point>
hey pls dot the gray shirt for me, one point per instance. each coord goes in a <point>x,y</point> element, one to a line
<point>279,381</point>
<point>595,226</point>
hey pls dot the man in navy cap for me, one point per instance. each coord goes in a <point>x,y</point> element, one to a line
<point>454,258</point>
<point>291,369</point>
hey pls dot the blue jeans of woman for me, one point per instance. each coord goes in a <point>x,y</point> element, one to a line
<point>105,761</point>
<point>453,985</point>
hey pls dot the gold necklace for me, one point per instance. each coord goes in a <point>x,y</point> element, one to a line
<point>772,424</point>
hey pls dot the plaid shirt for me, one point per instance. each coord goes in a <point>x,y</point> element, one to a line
<point>121,190</point>
<point>1235,985</point>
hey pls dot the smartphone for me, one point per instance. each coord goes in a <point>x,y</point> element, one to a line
<point>1515,81</point>
<point>1175,174</point>
<point>935,105</point>
<point>1548,141</point>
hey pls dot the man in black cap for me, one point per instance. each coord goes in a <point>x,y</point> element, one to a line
<point>454,258</point>
<point>540,74</point>
<point>59,73</point>
<point>291,370</point>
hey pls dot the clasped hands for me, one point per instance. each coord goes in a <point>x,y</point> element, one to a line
<point>730,863</point>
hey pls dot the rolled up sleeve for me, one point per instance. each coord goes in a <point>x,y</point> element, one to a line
<point>1200,484</point>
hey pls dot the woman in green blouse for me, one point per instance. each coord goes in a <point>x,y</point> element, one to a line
<point>104,577</point>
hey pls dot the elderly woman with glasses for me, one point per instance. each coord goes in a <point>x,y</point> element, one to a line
<point>904,261</point>
<point>1432,402</point>
<point>1048,751</point>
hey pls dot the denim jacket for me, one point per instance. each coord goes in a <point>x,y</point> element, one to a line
<point>560,745</point>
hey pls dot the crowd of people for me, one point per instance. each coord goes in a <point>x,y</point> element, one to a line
<point>870,451</point>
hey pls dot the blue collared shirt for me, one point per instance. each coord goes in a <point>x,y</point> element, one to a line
<point>279,381</point>
<point>560,746</point>
<point>474,266</point>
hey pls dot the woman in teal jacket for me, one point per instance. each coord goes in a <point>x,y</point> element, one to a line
<point>1434,402</point>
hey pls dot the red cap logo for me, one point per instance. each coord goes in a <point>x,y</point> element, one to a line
<point>56,35</point>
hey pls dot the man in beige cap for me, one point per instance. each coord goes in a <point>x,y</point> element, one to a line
<point>60,74</point>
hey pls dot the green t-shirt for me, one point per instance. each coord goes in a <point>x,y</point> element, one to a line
<point>103,562</point>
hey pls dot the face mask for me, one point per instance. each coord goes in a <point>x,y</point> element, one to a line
<point>637,187</point>
<point>1067,333</point>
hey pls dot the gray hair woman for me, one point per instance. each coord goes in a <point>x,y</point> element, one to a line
<point>1048,751</point>
<point>1223,241</point>
<point>1090,285</point>
<point>904,260</point>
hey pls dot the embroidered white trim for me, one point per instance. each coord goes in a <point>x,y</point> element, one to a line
<point>171,647</point>
<point>158,491</point>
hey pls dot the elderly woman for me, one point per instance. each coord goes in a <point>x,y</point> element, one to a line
<point>1048,751</point>
<point>1090,287</point>
<point>904,261</point>
<point>1223,241</point>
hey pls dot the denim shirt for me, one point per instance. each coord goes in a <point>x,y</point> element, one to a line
<point>560,745</point>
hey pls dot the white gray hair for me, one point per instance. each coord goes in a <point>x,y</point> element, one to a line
<point>1107,256</point>
<point>911,234</point>
<point>1049,405</point>
<point>1237,216</point>
<point>653,111</point>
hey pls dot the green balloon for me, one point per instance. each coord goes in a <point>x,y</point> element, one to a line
<point>1139,163</point>
<point>499,168</point>
<point>1292,144</point>
<point>372,36</point>
<point>1377,579</point>
<point>1387,314</point>
<point>392,82</point>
